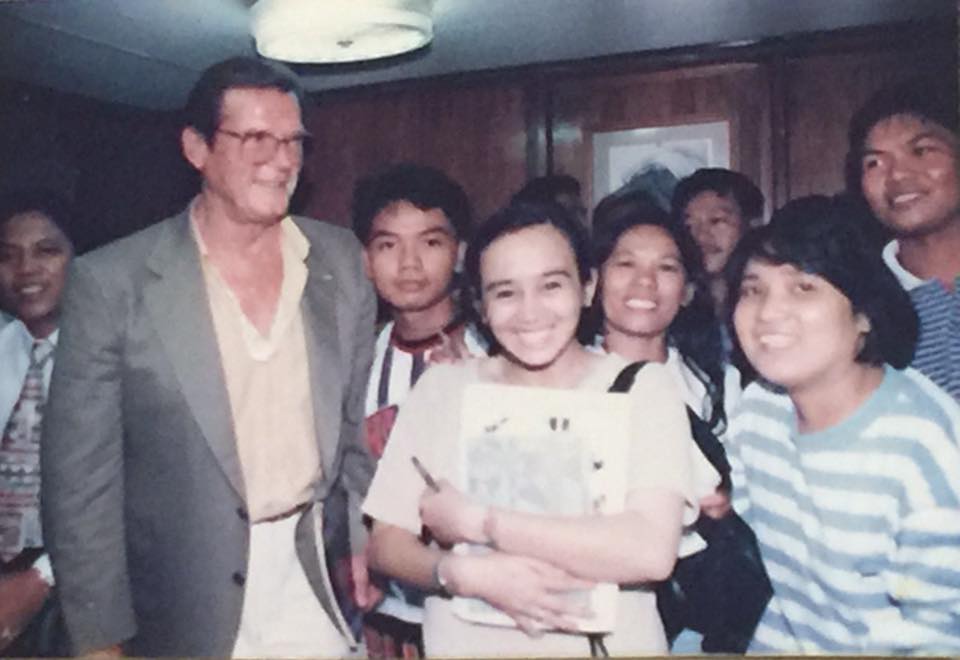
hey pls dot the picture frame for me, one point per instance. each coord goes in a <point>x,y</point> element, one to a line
<point>654,158</point>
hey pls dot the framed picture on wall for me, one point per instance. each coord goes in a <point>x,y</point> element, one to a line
<point>655,158</point>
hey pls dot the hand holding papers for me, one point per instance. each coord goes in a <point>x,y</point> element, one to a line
<point>543,451</point>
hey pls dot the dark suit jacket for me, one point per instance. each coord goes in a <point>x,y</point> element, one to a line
<point>143,494</point>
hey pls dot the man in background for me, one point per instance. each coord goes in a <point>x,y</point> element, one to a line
<point>903,147</point>
<point>35,250</point>
<point>718,206</point>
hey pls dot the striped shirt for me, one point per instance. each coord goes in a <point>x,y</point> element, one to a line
<point>938,347</point>
<point>859,524</point>
<point>396,367</point>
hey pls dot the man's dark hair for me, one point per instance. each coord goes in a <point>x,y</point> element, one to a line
<point>815,235</point>
<point>547,188</point>
<point>205,102</point>
<point>47,202</point>
<point>422,186</point>
<point>723,182</point>
<point>923,98</point>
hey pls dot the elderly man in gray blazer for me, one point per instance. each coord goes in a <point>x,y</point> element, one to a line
<point>202,446</point>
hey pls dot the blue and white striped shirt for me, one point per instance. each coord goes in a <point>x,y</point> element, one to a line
<point>859,524</point>
<point>938,347</point>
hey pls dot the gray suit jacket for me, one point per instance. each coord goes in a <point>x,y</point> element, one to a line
<point>143,494</point>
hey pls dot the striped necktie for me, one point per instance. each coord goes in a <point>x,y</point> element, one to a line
<point>20,461</point>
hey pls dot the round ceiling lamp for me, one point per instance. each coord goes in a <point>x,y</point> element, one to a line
<point>337,31</point>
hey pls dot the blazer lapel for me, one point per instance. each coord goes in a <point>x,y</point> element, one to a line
<point>321,330</point>
<point>177,300</point>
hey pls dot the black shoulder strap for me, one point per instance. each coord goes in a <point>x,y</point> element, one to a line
<point>702,434</point>
<point>624,380</point>
<point>710,446</point>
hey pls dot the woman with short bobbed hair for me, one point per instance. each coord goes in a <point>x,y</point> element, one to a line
<point>845,462</point>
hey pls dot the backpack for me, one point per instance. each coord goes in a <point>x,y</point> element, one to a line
<point>721,591</point>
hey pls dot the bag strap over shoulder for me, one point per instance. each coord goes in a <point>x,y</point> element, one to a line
<point>711,447</point>
<point>624,380</point>
<point>702,434</point>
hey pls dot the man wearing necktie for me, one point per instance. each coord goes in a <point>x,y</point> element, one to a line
<point>34,253</point>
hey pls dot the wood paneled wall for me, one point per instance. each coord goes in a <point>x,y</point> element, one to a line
<point>121,167</point>
<point>788,104</point>
<point>475,133</point>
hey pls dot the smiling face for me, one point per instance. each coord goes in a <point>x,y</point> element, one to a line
<point>716,223</point>
<point>796,329</point>
<point>532,297</point>
<point>410,257</point>
<point>34,255</point>
<point>246,189</point>
<point>643,283</point>
<point>909,175</point>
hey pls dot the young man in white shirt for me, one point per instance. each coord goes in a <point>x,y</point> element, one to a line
<point>412,221</point>
<point>905,153</point>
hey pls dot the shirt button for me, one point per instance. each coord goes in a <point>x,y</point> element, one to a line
<point>239,579</point>
<point>242,514</point>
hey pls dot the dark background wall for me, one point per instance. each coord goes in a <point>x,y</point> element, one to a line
<point>121,166</point>
<point>788,103</point>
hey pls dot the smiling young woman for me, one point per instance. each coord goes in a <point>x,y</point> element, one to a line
<point>653,304</point>
<point>845,463</point>
<point>529,268</point>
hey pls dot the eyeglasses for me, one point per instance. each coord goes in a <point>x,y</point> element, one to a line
<point>260,146</point>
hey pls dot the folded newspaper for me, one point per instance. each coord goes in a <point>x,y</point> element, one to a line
<point>545,451</point>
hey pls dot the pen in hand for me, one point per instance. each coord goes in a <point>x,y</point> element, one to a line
<point>431,482</point>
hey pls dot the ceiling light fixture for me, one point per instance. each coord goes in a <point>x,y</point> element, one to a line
<point>336,31</point>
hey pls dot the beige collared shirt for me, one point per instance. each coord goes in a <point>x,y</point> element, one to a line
<point>268,384</point>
